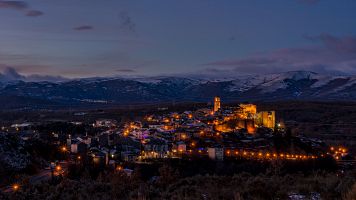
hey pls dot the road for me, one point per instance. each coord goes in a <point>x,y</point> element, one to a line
<point>43,175</point>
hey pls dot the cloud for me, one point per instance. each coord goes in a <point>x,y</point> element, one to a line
<point>309,2</point>
<point>126,70</point>
<point>333,55</point>
<point>126,23</point>
<point>345,44</point>
<point>34,13</point>
<point>10,74</point>
<point>21,6</point>
<point>83,28</point>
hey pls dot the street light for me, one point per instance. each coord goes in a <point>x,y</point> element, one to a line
<point>15,187</point>
<point>119,168</point>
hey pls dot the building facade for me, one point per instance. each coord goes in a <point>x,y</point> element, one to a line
<point>217,104</point>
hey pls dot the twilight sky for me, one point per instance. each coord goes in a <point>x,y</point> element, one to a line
<point>83,38</point>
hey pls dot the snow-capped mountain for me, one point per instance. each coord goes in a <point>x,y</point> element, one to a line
<point>302,85</point>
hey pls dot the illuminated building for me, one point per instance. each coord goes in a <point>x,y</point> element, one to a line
<point>223,128</point>
<point>98,158</point>
<point>217,104</point>
<point>250,126</point>
<point>248,111</point>
<point>181,147</point>
<point>266,119</point>
<point>155,148</point>
<point>216,153</point>
<point>78,147</point>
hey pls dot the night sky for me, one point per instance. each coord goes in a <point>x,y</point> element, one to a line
<point>84,38</point>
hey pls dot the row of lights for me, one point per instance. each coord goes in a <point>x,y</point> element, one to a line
<point>269,155</point>
<point>259,154</point>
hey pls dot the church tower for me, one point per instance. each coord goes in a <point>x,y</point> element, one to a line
<point>217,104</point>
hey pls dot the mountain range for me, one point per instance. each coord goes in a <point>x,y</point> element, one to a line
<point>21,92</point>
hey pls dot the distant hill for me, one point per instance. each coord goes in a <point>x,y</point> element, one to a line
<point>296,85</point>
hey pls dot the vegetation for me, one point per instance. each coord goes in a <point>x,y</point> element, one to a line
<point>169,185</point>
<point>189,179</point>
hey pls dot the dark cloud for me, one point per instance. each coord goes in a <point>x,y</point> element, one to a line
<point>83,28</point>
<point>34,13</point>
<point>126,70</point>
<point>126,23</point>
<point>309,2</point>
<point>334,55</point>
<point>20,5</point>
<point>10,74</point>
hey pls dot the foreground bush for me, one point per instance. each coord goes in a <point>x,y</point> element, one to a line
<point>169,186</point>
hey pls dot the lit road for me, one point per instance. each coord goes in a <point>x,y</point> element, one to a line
<point>43,175</point>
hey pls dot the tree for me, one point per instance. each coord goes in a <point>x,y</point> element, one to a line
<point>167,175</point>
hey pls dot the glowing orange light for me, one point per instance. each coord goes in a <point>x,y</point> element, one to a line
<point>15,187</point>
<point>126,133</point>
<point>58,168</point>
